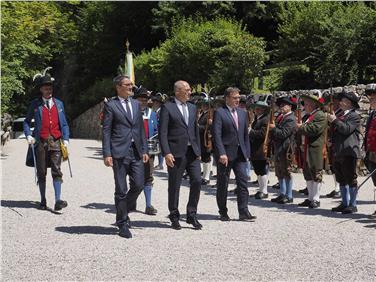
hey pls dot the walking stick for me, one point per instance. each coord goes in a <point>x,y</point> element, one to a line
<point>368,177</point>
<point>35,164</point>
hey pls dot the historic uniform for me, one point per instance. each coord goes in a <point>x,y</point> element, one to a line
<point>50,129</point>
<point>283,135</point>
<point>370,136</point>
<point>151,133</point>
<point>312,132</point>
<point>346,146</point>
<point>205,139</point>
<point>257,136</point>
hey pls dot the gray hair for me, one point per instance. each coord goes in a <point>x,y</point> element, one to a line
<point>117,80</point>
<point>230,90</point>
<point>178,84</point>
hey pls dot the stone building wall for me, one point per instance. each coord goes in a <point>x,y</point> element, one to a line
<point>88,124</point>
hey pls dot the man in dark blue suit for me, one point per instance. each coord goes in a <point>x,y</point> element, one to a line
<point>231,150</point>
<point>180,143</point>
<point>124,149</point>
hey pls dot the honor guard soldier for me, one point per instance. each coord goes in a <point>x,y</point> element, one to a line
<point>313,140</point>
<point>346,146</point>
<point>257,137</point>
<point>283,138</point>
<point>51,128</point>
<point>370,136</point>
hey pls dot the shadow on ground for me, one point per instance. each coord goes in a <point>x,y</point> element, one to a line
<point>20,204</point>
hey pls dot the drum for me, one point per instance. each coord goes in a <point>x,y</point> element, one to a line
<point>153,147</point>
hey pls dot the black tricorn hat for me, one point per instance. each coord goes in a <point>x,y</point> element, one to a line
<point>43,78</point>
<point>158,97</point>
<point>141,92</point>
<point>352,96</point>
<point>287,100</point>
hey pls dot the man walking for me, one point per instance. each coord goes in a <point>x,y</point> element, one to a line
<point>50,127</point>
<point>124,149</point>
<point>231,150</point>
<point>180,143</point>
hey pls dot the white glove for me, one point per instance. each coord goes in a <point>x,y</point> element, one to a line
<point>30,139</point>
<point>66,143</point>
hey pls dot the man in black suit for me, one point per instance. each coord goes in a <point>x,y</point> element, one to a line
<point>180,143</point>
<point>124,149</point>
<point>231,150</point>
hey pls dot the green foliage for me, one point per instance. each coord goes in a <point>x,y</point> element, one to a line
<point>336,40</point>
<point>218,52</point>
<point>32,34</point>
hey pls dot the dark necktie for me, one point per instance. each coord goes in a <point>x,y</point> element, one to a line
<point>48,104</point>
<point>129,113</point>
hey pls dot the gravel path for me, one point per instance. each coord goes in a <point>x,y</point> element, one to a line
<point>285,243</point>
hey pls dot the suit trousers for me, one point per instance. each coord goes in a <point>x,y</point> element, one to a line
<point>239,165</point>
<point>133,166</point>
<point>192,164</point>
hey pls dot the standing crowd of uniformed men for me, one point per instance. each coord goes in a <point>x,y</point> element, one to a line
<point>303,133</point>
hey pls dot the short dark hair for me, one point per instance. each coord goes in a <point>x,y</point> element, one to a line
<point>117,80</point>
<point>230,90</point>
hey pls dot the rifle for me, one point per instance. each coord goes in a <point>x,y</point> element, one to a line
<point>325,149</point>
<point>207,133</point>
<point>265,145</point>
<point>298,160</point>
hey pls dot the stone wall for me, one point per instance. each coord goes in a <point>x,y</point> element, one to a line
<point>88,124</point>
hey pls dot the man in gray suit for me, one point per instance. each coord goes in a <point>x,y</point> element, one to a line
<point>124,149</point>
<point>180,143</point>
<point>231,150</point>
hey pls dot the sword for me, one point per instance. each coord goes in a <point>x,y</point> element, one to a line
<point>35,164</point>
<point>368,177</point>
<point>70,169</point>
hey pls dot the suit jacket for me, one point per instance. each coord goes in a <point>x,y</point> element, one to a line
<point>174,133</point>
<point>118,129</point>
<point>35,111</point>
<point>283,136</point>
<point>227,138</point>
<point>346,140</point>
<point>314,130</point>
<point>257,137</point>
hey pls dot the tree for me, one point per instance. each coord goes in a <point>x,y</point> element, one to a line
<point>335,40</point>
<point>32,35</point>
<point>218,52</point>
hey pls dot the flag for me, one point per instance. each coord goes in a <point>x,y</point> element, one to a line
<point>130,67</point>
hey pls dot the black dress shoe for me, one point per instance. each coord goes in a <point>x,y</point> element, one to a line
<point>349,209</point>
<point>175,225</point>
<point>59,205</point>
<point>372,216</point>
<point>314,204</point>
<point>224,217</point>
<point>276,200</point>
<point>259,195</point>
<point>304,191</point>
<point>125,232</point>
<point>150,210</point>
<point>306,203</point>
<point>333,194</point>
<point>43,205</point>
<point>285,200</point>
<point>246,216</point>
<point>204,182</point>
<point>193,220</point>
<point>339,208</point>
<point>276,186</point>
